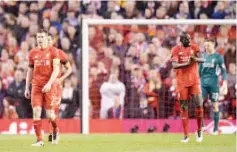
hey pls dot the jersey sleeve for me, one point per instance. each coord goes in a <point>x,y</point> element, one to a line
<point>55,53</point>
<point>174,55</point>
<point>63,57</point>
<point>221,64</point>
<point>31,61</point>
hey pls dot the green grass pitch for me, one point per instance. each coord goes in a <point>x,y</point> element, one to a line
<point>120,143</point>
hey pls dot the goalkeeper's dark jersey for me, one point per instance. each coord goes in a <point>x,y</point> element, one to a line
<point>210,70</point>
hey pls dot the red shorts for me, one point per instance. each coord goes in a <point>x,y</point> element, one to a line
<point>49,100</point>
<point>185,92</point>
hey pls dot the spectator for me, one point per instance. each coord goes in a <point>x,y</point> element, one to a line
<point>23,9</point>
<point>22,28</point>
<point>207,8</point>
<point>34,18</point>
<point>15,94</point>
<point>94,95</point>
<point>70,99</point>
<point>136,104</point>
<point>129,10</point>
<point>151,91</point>
<point>232,76</point>
<point>232,90</point>
<point>55,20</point>
<point>2,36</point>
<point>46,24</point>
<point>112,98</point>
<point>12,47</point>
<point>230,55</point>
<point>161,13</point>
<point>9,111</point>
<point>71,17</point>
<point>183,11</point>
<point>219,12</point>
<point>65,44</point>
<point>2,96</point>
<point>22,55</point>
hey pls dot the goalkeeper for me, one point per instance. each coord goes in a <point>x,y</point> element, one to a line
<point>209,73</point>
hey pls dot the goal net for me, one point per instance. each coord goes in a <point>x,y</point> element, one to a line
<point>137,53</point>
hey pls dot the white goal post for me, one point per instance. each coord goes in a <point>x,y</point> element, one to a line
<point>85,49</point>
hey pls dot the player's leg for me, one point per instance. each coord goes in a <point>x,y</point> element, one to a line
<point>37,101</point>
<point>51,102</point>
<point>54,127</point>
<point>183,98</point>
<point>195,91</point>
<point>214,95</point>
<point>204,96</point>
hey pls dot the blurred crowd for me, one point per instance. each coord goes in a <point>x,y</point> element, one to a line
<point>137,55</point>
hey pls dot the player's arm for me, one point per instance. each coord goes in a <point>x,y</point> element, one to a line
<point>221,64</point>
<point>177,65</point>
<point>198,58</point>
<point>68,66</point>
<point>56,68</point>
<point>29,77</point>
<point>55,72</point>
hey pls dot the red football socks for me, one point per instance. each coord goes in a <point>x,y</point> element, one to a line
<point>37,127</point>
<point>199,115</point>
<point>184,118</point>
<point>55,125</point>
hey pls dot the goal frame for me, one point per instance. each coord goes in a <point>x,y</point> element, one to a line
<point>85,48</point>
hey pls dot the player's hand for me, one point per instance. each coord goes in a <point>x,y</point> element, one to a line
<point>27,94</point>
<point>46,88</point>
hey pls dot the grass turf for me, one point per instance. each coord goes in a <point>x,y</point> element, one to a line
<point>120,143</point>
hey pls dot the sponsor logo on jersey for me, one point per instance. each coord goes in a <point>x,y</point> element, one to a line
<point>41,62</point>
<point>208,65</point>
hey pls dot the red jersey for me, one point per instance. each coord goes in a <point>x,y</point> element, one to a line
<point>186,76</point>
<point>42,61</point>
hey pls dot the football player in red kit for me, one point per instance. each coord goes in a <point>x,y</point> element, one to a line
<point>185,59</point>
